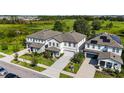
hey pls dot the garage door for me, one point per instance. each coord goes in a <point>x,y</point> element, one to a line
<point>91,56</point>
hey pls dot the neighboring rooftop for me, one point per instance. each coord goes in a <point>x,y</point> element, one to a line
<point>73,37</point>
<point>109,55</point>
<point>106,39</point>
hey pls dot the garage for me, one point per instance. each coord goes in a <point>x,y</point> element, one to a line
<point>90,55</point>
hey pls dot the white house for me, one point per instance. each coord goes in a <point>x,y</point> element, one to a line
<point>107,49</point>
<point>55,41</point>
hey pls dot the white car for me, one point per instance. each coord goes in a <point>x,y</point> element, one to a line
<point>3,71</point>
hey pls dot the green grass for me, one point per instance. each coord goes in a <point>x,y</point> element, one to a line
<point>64,76</point>
<point>1,56</point>
<point>40,59</point>
<point>102,75</point>
<point>117,29</point>
<point>37,68</point>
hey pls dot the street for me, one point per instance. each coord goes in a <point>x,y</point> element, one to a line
<point>21,72</point>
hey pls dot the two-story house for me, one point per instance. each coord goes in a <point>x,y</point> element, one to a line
<point>107,49</point>
<point>56,42</point>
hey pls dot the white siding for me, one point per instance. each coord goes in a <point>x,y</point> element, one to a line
<point>110,49</point>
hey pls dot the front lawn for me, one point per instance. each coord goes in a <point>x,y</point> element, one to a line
<point>37,68</point>
<point>65,76</point>
<point>40,59</point>
<point>1,56</point>
<point>99,74</point>
<point>74,64</point>
<point>110,74</point>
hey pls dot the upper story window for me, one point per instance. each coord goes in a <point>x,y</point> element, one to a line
<point>93,46</point>
<point>98,46</point>
<point>113,50</point>
<point>49,43</point>
<point>74,45</point>
<point>88,45</point>
<point>53,44</point>
<point>117,50</point>
<point>57,44</point>
<point>64,43</point>
<point>69,44</point>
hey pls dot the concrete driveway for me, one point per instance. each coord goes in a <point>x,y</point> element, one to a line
<point>59,65</point>
<point>86,70</point>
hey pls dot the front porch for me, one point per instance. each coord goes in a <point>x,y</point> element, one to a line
<point>109,64</point>
<point>55,52</point>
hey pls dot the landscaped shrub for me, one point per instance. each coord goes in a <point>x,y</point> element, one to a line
<point>4,46</point>
<point>47,54</point>
<point>77,58</point>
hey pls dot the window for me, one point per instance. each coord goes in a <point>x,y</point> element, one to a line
<point>49,43</point>
<point>69,44</point>
<point>74,45</point>
<point>117,50</point>
<point>65,44</point>
<point>57,44</point>
<point>98,46</point>
<point>93,46</point>
<point>88,45</point>
<point>53,44</point>
<point>113,50</point>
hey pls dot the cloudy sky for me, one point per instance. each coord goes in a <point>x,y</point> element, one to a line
<point>62,7</point>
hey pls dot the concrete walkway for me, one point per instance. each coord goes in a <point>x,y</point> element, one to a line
<point>9,58</point>
<point>86,70</point>
<point>55,70</point>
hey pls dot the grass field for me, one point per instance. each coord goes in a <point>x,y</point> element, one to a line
<point>26,29</point>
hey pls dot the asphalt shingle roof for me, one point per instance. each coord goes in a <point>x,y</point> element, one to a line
<point>112,42</point>
<point>109,55</point>
<point>73,37</point>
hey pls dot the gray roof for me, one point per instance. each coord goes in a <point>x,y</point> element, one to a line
<point>36,45</point>
<point>109,55</point>
<point>73,37</point>
<point>53,49</point>
<point>45,34</point>
<point>59,36</point>
<point>112,43</point>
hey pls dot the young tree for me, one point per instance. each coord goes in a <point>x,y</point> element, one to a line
<point>58,26</point>
<point>96,24</point>
<point>82,26</point>
<point>34,61</point>
<point>110,25</point>
<point>16,56</point>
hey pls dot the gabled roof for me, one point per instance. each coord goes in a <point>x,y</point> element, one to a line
<point>114,41</point>
<point>109,55</point>
<point>73,37</point>
<point>45,34</point>
<point>53,49</point>
<point>36,45</point>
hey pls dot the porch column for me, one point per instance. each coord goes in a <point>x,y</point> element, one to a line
<point>98,63</point>
<point>105,65</point>
<point>112,66</point>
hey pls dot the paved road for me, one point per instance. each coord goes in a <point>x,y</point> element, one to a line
<point>59,65</point>
<point>86,70</point>
<point>20,71</point>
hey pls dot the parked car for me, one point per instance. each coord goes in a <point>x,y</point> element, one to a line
<point>11,75</point>
<point>3,71</point>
